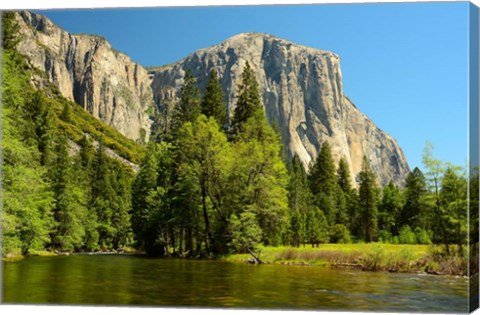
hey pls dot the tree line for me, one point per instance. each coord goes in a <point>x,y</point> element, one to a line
<point>211,186</point>
<point>208,184</point>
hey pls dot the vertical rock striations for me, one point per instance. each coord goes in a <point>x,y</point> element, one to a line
<point>87,70</point>
<point>301,88</point>
<point>302,94</point>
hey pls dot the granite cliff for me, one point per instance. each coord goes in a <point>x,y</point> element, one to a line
<point>301,88</point>
<point>302,94</point>
<point>87,70</point>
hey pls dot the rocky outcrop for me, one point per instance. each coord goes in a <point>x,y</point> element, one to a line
<point>87,70</point>
<point>302,93</point>
<point>301,88</point>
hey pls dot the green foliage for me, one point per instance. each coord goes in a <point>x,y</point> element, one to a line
<point>374,257</point>
<point>198,194</point>
<point>343,176</point>
<point>323,183</point>
<point>66,115</point>
<point>389,208</point>
<point>340,234</point>
<point>415,211</point>
<point>70,201</point>
<point>249,101</point>
<point>317,227</point>
<point>41,130</point>
<point>422,236</point>
<point>10,34</point>
<point>213,103</point>
<point>453,202</point>
<point>406,236</point>
<point>299,201</point>
<point>367,201</point>
<point>246,234</point>
<point>385,237</point>
<point>26,196</point>
<point>261,176</point>
<point>150,200</point>
<point>188,108</point>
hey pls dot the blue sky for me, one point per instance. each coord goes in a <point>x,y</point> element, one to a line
<point>403,65</point>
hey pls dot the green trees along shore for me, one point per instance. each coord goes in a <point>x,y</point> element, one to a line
<point>207,185</point>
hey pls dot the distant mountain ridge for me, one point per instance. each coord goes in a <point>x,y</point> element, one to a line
<point>301,88</point>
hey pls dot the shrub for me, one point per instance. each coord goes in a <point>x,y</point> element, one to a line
<point>422,236</point>
<point>384,236</point>
<point>395,240</point>
<point>406,236</point>
<point>340,234</point>
<point>373,257</point>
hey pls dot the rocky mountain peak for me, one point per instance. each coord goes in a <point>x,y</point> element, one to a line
<point>87,70</point>
<point>302,93</point>
<point>301,89</point>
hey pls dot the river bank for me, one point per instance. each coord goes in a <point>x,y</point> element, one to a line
<point>14,257</point>
<point>139,280</point>
<point>365,257</point>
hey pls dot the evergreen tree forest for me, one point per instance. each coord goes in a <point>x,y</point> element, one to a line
<point>207,185</point>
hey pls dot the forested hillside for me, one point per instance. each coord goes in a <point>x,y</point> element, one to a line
<point>53,199</point>
<point>207,185</point>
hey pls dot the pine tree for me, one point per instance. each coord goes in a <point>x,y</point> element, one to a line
<point>343,176</point>
<point>86,154</point>
<point>213,103</point>
<point>317,227</point>
<point>414,211</point>
<point>249,100</point>
<point>10,31</point>
<point>453,201</point>
<point>151,214</point>
<point>367,200</point>
<point>188,108</point>
<point>121,205</point>
<point>85,162</point>
<point>299,201</point>
<point>66,114</point>
<point>102,196</point>
<point>144,183</point>
<point>389,208</point>
<point>323,183</point>
<point>69,211</point>
<point>41,131</point>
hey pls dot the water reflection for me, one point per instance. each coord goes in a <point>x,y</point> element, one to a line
<point>127,280</point>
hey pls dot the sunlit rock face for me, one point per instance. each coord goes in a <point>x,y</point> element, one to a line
<point>301,88</point>
<point>302,94</point>
<point>87,70</point>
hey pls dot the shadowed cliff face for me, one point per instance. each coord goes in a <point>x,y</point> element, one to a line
<point>90,72</point>
<point>301,88</point>
<point>302,94</point>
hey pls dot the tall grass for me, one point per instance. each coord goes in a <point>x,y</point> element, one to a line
<point>367,257</point>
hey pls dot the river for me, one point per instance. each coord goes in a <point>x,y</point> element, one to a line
<point>138,280</point>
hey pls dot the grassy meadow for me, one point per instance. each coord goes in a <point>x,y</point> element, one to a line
<point>366,257</point>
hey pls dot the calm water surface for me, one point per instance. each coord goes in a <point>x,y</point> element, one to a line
<point>120,280</point>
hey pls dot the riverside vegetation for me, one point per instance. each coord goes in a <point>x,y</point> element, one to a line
<point>211,186</point>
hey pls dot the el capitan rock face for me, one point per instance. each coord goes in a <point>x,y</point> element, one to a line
<point>87,70</point>
<point>301,88</point>
<point>302,94</point>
